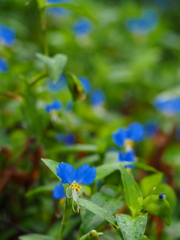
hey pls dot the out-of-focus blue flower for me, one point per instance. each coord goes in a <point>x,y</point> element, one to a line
<point>134,133</point>
<point>143,25</point>
<point>7,35</point>
<point>56,105</point>
<point>97,97</point>
<point>3,65</point>
<point>151,129</point>
<point>170,106</point>
<point>57,86</point>
<point>86,84</point>
<point>128,157</point>
<point>59,11</point>
<point>68,139</point>
<point>69,175</point>
<point>82,27</point>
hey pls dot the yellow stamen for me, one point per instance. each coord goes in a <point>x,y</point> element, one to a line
<point>129,143</point>
<point>76,187</point>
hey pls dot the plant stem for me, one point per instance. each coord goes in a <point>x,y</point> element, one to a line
<point>67,212</point>
<point>43,28</point>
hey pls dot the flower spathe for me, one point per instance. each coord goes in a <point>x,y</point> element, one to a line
<point>69,175</point>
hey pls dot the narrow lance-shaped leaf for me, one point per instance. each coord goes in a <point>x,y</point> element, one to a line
<point>132,192</point>
<point>132,228</point>
<point>35,237</point>
<point>52,165</point>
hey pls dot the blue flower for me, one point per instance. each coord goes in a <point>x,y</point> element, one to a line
<point>151,129</point>
<point>3,65</point>
<point>59,11</point>
<point>97,97</point>
<point>144,24</point>
<point>69,175</point>
<point>86,84</point>
<point>69,106</point>
<point>134,133</point>
<point>82,27</point>
<point>56,105</point>
<point>7,35</point>
<point>167,105</point>
<point>68,139</point>
<point>57,86</point>
<point>128,157</point>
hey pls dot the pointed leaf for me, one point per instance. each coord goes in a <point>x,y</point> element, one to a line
<point>158,207</point>
<point>52,165</point>
<point>132,192</point>
<point>106,169</point>
<point>46,188</point>
<point>35,237</point>
<point>98,211</point>
<point>132,228</point>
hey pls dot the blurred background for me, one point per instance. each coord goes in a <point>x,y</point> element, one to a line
<point>125,55</point>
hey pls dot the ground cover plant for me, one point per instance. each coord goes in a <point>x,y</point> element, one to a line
<point>89,120</point>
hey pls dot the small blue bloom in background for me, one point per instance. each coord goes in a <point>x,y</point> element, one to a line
<point>68,139</point>
<point>82,27</point>
<point>86,84</point>
<point>69,175</point>
<point>169,106</point>
<point>57,86</point>
<point>69,106</point>
<point>178,133</point>
<point>143,25</point>
<point>97,97</point>
<point>151,129</point>
<point>123,136</point>
<point>128,157</point>
<point>3,65</point>
<point>58,11</point>
<point>7,35</point>
<point>56,105</point>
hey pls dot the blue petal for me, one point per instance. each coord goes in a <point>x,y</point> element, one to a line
<point>82,27</point>
<point>3,65</point>
<point>56,105</point>
<point>59,85</point>
<point>86,84</point>
<point>135,132</point>
<point>97,97</point>
<point>119,137</point>
<point>7,35</point>
<point>85,174</point>
<point>127,157</point>
<point>58,191</point>
<point>66,172</point>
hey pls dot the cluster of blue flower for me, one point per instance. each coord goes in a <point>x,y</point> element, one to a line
<point>7,38</point>
<point>125,138</point>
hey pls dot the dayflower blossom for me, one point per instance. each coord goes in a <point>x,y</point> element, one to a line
<point>3,65</point>
<point>151,129</point>
<point>58,11</point>
<point>82,27</point>
<point>128,157</point>
<point>126,137</point>
<point>57,86</point>
<point>68,139</point>
<point>56,105</point>
<point>69,175</point>
<point>97,98</point>
<point>7,35</point>
<point>86,84</point>
<point>144,24</point>
<point>168,105</point>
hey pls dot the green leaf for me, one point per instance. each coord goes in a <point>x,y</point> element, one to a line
<point>150,182</point>
<point>91,220</point>
<point>75,86</point>
<point>41,3</point>
<point>76,8</point>
<point>158,207</point>
<point>132,192</point>
<point>132,228</point>
<point>144,167</point>
<point>144,238</point>
<point>35,237</point>
<point>52,165</point>
<point>169,192</point>
<point>106,169</point>
<point>46,188</point>
<point>79,148</point>
<point>54,64</point>
<point>103,213</point>
<point>89,159</point>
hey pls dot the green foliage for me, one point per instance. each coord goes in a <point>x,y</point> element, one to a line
<point>35,237</point>
<point>132,228</point>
